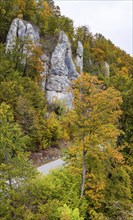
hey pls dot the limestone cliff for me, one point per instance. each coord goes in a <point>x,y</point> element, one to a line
<point>59,69</point>
<point>23,30</point>
<point>61,73</point>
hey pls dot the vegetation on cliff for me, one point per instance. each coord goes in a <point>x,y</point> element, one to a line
<point>97,181</point>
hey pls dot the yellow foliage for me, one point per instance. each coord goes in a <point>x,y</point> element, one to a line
<point>95,188</point>
<point>20,16</point>
<point>3,11</point>
<point>53,130</point>
<point>47,10</point>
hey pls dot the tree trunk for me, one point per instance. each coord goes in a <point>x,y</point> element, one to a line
<point>83,173</point>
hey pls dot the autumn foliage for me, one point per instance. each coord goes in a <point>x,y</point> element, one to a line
<point>96,182</point>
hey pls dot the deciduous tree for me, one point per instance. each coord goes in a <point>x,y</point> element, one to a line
<point>94,128</point>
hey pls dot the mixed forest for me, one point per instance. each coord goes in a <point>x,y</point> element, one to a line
<point>96,182</point>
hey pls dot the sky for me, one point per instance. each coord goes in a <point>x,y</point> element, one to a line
<point>111,18</point>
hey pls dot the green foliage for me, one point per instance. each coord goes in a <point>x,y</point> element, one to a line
<point>97,216</point>
<point>13,143</point>
<point>29,106</point>
<point>16,8</point>
<point>47,195</point>
<point>123,82</point>
<point>15,169</point>
<point>92,127</point>
<point>27,101</point>
<point>69,214</point>
<point>53,130</point>
<point>11,136</point>
<point>7,67</point>
<point>83,34</point>
<point>66,25</point>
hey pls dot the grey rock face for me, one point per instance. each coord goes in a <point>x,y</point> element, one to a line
<point>72,73</point>
<point>54,97</point>
<point>59,70</point>
<point>22,30</point>
<point>57,83</point>
<point>26,33</point>
<point>29,34</point>
<point>79,57</point>
<point>61,73</point>
<point>61,61</point>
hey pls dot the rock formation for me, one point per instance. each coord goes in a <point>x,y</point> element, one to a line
<point>79,57</point>
<point>23,34</point>
<point>61,73</point>
<point>59,69</point>
<point>23,30</point>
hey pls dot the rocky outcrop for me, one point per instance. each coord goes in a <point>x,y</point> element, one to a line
<point>61,73</point>
<point>79,57</point>
<point>59,69</point>
<point>23,34</point>
<point>28,34</point>
<point>23,30</point>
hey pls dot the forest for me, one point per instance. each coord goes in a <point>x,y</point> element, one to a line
<point>96,182</point>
